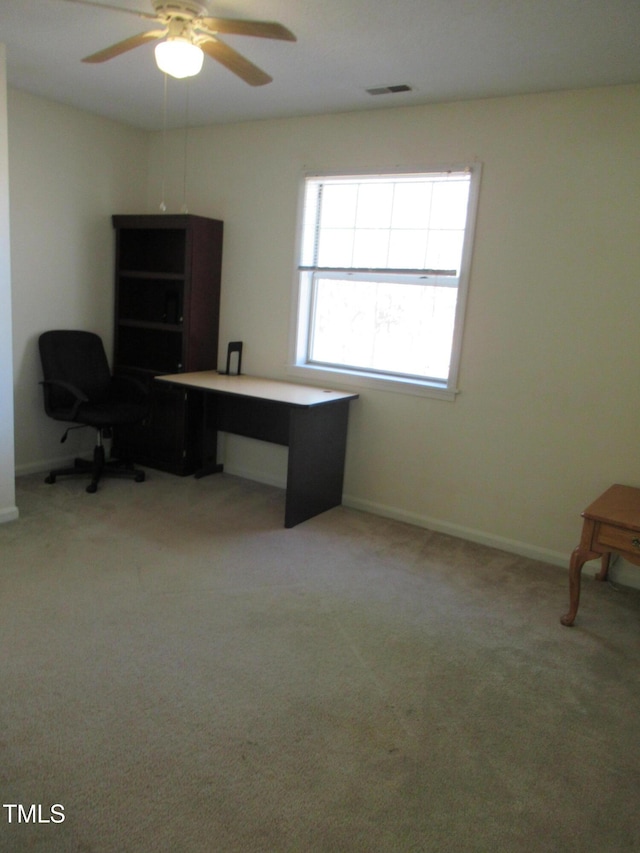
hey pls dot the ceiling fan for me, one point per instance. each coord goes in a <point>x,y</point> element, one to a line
<point>188,32</point>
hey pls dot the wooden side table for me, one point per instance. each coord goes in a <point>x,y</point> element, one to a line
<point>611,525</point>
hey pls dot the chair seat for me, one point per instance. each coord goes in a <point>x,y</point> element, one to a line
<point>110,413</point>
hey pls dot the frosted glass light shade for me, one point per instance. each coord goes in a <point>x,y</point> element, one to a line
<point>179,58</point>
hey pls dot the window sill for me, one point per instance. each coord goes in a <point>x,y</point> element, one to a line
<point>352,379</point>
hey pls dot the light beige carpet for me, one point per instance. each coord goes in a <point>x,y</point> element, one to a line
<point>181,673</point>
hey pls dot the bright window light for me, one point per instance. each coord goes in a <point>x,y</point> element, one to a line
<point>382,276</point>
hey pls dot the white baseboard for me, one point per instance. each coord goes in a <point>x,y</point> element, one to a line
<point>620,572</point>
<point>44,465</point>
<point>9,513</point>
<point>523,549</point>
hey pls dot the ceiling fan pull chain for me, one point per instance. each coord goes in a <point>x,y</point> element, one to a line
<point>185,209</point>
<point>163,205</point>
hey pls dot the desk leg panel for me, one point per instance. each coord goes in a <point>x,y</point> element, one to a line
<point>209,452</point>
<point>317,447</point>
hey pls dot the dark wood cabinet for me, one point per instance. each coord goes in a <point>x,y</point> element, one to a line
<point>167,306</point>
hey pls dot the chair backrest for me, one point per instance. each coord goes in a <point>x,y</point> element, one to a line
<point>78,358</point>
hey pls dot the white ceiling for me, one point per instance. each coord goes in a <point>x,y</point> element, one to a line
<point>444,49</point>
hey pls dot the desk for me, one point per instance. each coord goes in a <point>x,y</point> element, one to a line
<point>611,525</point>
<point>310,421</point>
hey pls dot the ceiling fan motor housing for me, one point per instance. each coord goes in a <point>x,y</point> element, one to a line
<point>180,9</point>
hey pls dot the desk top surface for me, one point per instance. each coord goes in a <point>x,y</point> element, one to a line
<point>262,389</point>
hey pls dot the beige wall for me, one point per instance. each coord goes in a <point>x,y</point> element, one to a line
<point>548,413</point>
<point>69,171</point>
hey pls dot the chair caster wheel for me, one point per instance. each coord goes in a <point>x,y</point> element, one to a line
<point>92,487</point>
<point>50,479</point>
<point>139,478</point>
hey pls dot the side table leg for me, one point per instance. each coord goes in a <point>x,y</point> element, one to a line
<point>578,559</point>
<point>604,567</point>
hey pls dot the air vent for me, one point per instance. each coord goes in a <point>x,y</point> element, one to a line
<point>389,90</point>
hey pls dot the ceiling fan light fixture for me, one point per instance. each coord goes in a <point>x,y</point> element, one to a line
<point>179,57</point>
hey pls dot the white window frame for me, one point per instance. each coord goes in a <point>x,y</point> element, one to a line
<point>302,319</point>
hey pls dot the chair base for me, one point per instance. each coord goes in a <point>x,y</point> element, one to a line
<point>98,467</point>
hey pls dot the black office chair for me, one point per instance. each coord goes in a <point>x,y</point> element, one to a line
<point>79,389</point>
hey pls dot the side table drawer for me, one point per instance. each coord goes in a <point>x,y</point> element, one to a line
<point>618,538</point>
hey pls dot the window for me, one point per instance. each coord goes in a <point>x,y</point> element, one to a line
<point>382,272</point>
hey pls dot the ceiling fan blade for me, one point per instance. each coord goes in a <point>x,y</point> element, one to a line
<point>235,62</point>
<point>259,29</point>
<point>135,12</point>
<point>124,46</point>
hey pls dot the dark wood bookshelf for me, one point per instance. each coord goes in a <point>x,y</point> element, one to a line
<point>167,306</point>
